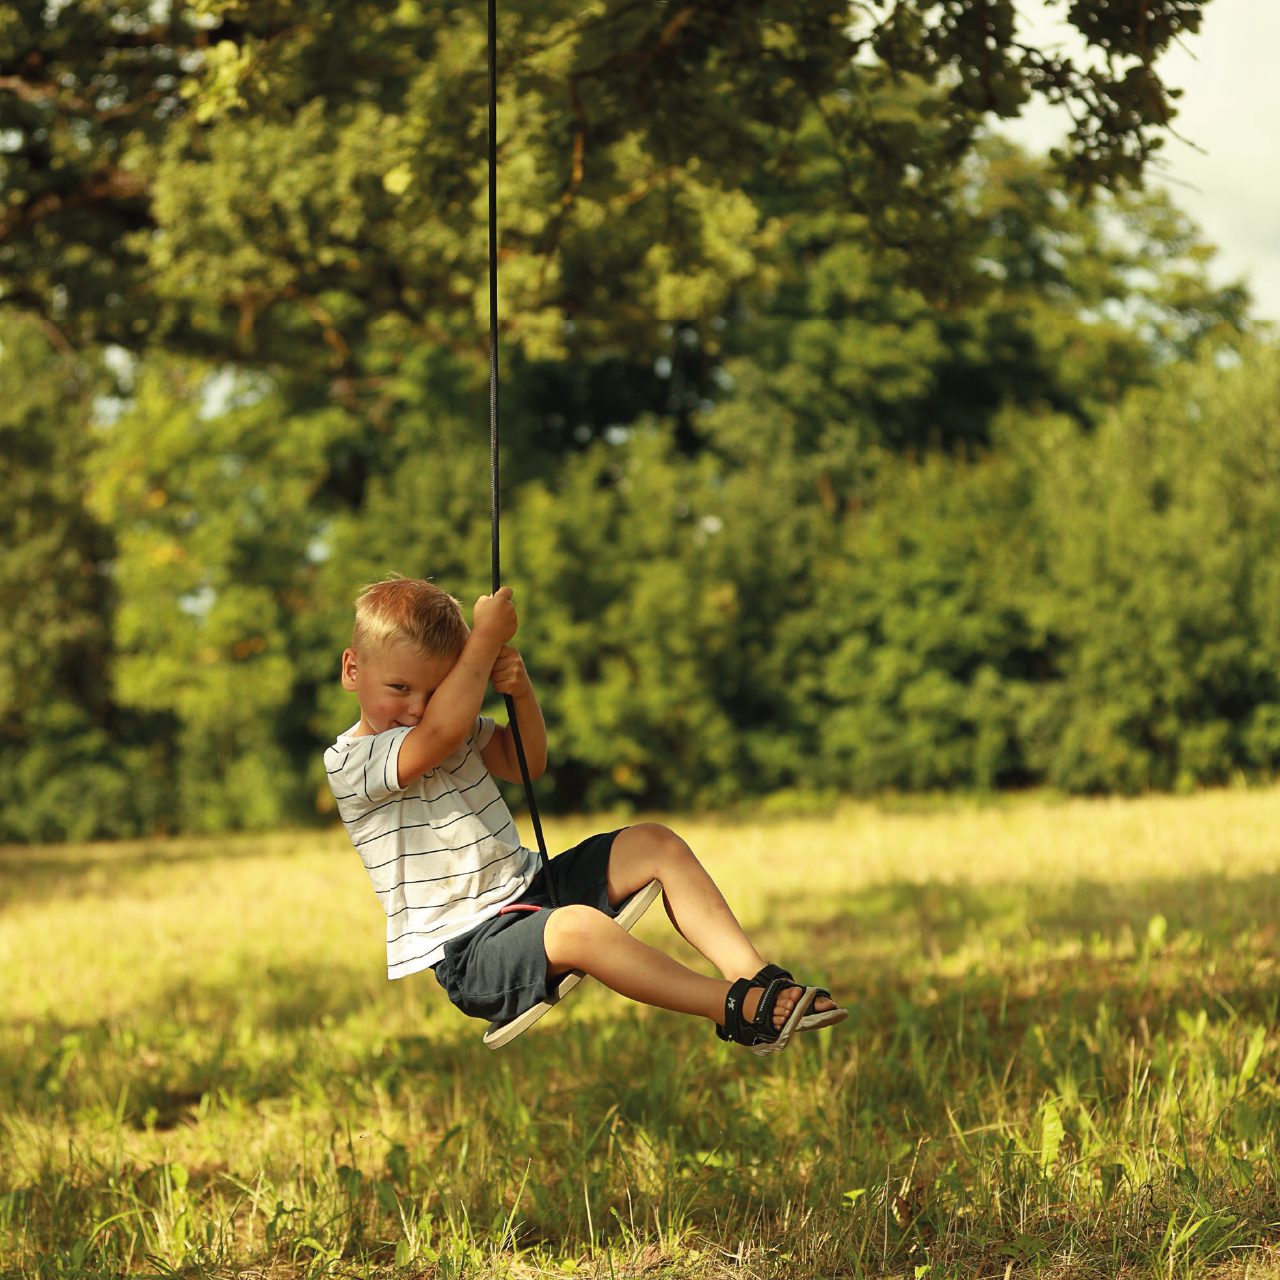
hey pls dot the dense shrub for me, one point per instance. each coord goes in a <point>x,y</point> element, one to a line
<point>937,654</point>
<point>1163,585</point>
<point>1096,610</point>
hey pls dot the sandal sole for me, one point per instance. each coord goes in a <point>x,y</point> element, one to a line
<point>501,1033</point>
<point>827,1018</point>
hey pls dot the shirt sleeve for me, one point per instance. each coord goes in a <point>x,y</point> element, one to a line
<point>367,768</point>
<point>485,725</point>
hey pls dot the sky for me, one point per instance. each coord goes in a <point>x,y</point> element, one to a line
<point>1226,174</point>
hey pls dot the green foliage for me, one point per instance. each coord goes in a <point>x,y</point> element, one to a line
<point>286,180</point>
<point>241,543</point>
<point>787,337</point>
<point>71,764</point>
<point>207,541</point>
<point>1088,608</point>
<point>673,598</point>
<point>1093,610</point>
<point>1044,304</point>
<point>934,652</point>
<point>1164,582</point>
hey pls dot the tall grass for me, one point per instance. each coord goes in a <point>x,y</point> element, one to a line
<point>1061,1059</point>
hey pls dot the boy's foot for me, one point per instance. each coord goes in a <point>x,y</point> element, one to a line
<point>786,1003</point>
<point>822,1012</point>
<point>761,1031</point>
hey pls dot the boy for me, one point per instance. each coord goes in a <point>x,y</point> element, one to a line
<point>414,784</point>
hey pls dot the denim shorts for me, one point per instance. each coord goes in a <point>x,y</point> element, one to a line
<point>499,969</point>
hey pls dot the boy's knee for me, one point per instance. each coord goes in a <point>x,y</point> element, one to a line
<point>663,841</point>
<point>573,929</point>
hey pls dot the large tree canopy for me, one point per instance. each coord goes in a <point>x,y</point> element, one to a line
<point>800,357</point>
<point>283,180</point>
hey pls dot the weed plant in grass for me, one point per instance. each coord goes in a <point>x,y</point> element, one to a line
<point>1061,1060</point>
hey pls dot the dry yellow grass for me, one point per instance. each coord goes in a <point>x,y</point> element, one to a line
<point>88,930</point>
<point>220,1007</point>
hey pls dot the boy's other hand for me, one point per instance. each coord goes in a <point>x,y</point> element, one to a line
<point>509,675</point>
<point>495,616</point>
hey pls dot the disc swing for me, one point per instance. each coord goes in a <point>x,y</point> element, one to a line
<point>501,1033</point>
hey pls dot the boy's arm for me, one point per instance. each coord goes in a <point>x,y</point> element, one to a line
<point>451,711</point>
<point>499,755</point>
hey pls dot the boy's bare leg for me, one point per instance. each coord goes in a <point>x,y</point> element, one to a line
<point>578,937</point>
<point>650,851</point>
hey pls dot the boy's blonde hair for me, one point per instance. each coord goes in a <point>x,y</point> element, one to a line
<point>409,609</point>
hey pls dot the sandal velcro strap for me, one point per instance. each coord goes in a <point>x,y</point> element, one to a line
<point>771,971</point>
<point>735,1029</point>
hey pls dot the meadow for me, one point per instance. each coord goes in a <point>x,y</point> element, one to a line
<point>1061,1060</point>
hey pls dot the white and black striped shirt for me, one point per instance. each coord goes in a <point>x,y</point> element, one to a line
<point>443,853</point>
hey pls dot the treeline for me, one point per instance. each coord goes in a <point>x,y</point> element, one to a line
<point>845,447</point>
<point>1082,599</point>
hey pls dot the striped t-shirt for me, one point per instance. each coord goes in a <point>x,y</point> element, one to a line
<point>443,853</point>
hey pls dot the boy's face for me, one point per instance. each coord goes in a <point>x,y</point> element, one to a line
<point>393,683</point>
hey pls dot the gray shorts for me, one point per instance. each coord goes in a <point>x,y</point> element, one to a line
<point>499,969</point>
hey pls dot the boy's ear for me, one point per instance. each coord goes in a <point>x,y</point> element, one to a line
<point>349,670</point>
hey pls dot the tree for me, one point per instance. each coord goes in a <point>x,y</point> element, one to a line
<point>689,610</point>
<point>284,180</point>
<point>73,762</point>
<point>1162,581</point>
<point>1052,306</point>
<point>756,262</point>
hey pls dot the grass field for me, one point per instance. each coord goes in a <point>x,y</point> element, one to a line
<point>1061,1061</point>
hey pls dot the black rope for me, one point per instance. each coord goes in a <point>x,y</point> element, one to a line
<point>493,423</point>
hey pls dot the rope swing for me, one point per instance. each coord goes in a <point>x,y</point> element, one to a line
<point>493,428</point>
<point>501,1033</point>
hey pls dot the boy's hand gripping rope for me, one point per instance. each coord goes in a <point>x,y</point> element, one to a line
<point>493,423</point>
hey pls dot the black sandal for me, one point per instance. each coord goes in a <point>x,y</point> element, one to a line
<point>810,1021</point>
<point>759,1034</point>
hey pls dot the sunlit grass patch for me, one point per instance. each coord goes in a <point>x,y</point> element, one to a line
<point>1061,1060</point>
